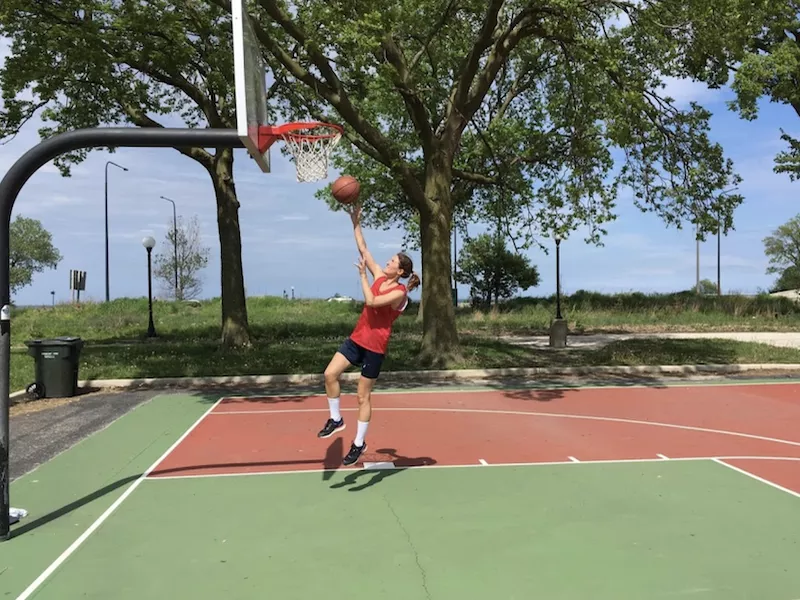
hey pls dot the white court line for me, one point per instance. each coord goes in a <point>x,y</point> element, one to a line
<point>611,461</point>
<point>74,546</point>
<point>722,462</point>
<point>379,466</point>
<point>483,462</point>
<point>573,459</point>
<point>662,457</point>
<point>530,414</point>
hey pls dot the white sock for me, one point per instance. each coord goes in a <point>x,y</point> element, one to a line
<point>333,403</point>
<point>361,433</point>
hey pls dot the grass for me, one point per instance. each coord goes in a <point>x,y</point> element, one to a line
<point>301,335</point>
<point>278,319</point>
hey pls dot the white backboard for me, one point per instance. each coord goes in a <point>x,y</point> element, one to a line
<point>251,84</point>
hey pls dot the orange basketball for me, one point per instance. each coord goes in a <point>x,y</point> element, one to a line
<point>345,189</point>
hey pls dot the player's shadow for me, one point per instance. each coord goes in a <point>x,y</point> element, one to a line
<point>333,458</point>
<point>401,464</point>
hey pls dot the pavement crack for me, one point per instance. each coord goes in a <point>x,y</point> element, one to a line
<point>422,572</point>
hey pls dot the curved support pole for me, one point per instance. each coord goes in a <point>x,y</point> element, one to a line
<point>10,186</point>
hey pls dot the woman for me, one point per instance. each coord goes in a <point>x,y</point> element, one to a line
<point>384,301</point>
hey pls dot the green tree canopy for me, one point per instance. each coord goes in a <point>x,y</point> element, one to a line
<point>90,63</point>
<point>31,251</point>
<point>782,247</point>
<point>492,271</point>
<point>788,280</point>
<point>494,109</point>
<point>753,45</point>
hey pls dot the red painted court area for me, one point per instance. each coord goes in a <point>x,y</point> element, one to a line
<point>750,427</point>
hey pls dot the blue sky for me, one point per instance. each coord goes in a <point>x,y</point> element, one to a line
<point>279,217</point>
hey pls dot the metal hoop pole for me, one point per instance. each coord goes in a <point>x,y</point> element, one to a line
<point>10,186</point>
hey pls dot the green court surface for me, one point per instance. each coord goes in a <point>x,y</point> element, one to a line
<point>624,530</point>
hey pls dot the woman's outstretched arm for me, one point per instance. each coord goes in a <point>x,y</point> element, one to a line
<point>355,216</point>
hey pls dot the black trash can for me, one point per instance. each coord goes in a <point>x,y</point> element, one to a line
<point>56,366</point>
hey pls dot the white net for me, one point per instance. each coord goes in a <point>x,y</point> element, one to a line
<point>311,152</point>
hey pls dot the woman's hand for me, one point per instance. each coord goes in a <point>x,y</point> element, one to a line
<point>362,265</point>
<point>354,210</point>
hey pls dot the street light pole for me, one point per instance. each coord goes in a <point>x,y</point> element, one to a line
<point>108,293</point>
<point>174,240</point>
<point>719,274</point>
<point>558,278</point>
<point>149,243</point>
<point>558,326</point>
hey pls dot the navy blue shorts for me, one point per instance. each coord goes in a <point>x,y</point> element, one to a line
<point>369,361</point>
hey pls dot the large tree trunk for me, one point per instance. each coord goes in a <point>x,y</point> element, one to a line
<point>439,334</point>
<point>235,331</point>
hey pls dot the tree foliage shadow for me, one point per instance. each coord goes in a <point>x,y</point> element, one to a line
<point>553,388</point>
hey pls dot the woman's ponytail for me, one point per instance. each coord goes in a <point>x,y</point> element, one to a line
<point>413,282</point>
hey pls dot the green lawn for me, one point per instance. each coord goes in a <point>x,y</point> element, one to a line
<point>275,318</point>
<point>310,355</point>
<point>301,336</point>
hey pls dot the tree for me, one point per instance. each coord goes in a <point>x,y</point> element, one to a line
<point>788,280</point>
<point>192,257</point>
<point>782,247</point>
<point>508,109</point>
<point>707,288</point>
<point>89,63</point>
<point>31,251</point>
<point>493,271</point>
<point>752,44</point>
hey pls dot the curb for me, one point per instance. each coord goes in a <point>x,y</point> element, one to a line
<point>438,376</point>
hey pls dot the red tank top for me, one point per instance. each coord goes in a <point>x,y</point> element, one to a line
<point>374,326</point>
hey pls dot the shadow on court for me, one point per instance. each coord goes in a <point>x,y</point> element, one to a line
<point>74,505</point>
<point>375,476</point>
<point>558,388</point>
<point>331,462</point>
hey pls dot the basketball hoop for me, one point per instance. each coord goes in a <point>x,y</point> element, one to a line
<point>310,143</point>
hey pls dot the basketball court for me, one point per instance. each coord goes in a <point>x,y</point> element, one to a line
<point>601,492</point>
<point>668,491</point>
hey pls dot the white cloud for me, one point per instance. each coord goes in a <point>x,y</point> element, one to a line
<point>684,91</point>
<point>293,217</point>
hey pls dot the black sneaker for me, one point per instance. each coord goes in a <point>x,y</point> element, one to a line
<point>330,428</point>
<point>354,454</point>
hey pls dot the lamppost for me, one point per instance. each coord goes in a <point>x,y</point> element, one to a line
<point>149,243</point>
<point>558,278</point>
<point>174,240</point>
<point>558,327</point>
<point>107,267</point>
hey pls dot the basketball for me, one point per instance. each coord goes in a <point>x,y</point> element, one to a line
<point>345,189</point>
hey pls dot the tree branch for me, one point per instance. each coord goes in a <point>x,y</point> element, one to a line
<point>521,27</point>
<point>458,96</point>
<point>414,104</point>
<point>178,81</point>
<point>140,119</point>
<point>475,177</point>
<point>436,29</point>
